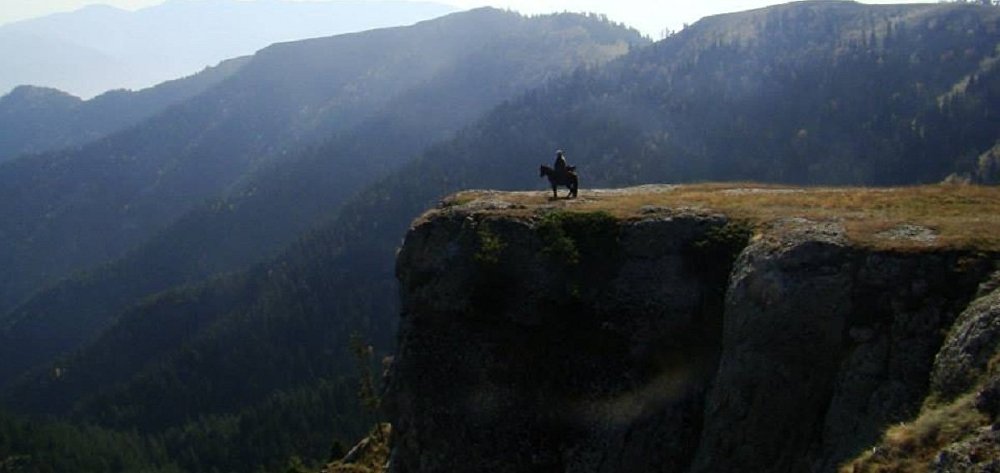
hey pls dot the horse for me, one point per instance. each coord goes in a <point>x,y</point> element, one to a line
<point>568,179</point>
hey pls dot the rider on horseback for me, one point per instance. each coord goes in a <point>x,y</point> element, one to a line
<point>560,175</point>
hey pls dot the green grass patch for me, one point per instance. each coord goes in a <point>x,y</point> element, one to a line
<point>490,246</point>
<point>723,242</point>
<point>582,247</point>
<point>570,236</point>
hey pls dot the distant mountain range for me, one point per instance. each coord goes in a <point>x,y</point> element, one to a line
<point>234,242</point>
<point>228,178</point>
<point>37,119</point>
<point>101,48</point>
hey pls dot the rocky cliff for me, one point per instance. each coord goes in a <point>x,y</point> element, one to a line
<point>700,328</point>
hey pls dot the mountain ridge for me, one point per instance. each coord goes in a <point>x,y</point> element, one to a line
<point>143,48</point>
<point>120,297</point>
<point>245,218</point>
<point>35,120</point>
<point>199,148</point>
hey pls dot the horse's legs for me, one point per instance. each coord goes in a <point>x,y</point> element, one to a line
<point>555,195</point>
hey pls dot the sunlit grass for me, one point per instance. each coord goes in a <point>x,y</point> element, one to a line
<point>912,446</point>
<point>943,216</point>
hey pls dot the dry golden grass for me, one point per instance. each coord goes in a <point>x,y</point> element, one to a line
<point>952,216</point>
<point>911,447</point>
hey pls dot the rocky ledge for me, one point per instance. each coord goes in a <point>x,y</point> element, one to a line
<point>705,328</point>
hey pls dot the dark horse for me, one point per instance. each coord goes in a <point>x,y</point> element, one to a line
<point>568,179</point>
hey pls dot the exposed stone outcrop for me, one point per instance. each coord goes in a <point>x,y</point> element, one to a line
<point>824,346</point>
<point>786,311</point>
<point>970,360</point>
<point>957,429</point>
<point>978,453</point>
<point>972,342</point>
<point>531,361</point>
<point>538,339</point>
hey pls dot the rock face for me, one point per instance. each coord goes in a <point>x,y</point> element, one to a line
<point>972,342</point>
<point>970,360</point>
<point>824,346</point>
<point>543,340</point>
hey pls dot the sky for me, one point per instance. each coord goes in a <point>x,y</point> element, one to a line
<point>651,17</point>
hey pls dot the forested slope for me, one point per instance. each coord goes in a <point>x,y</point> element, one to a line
<point>225,348</point>
<point>256,203</point>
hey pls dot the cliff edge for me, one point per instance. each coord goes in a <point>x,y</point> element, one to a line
<point>705,328</point>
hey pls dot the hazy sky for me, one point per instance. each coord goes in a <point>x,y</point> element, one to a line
<point>650,16</point>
